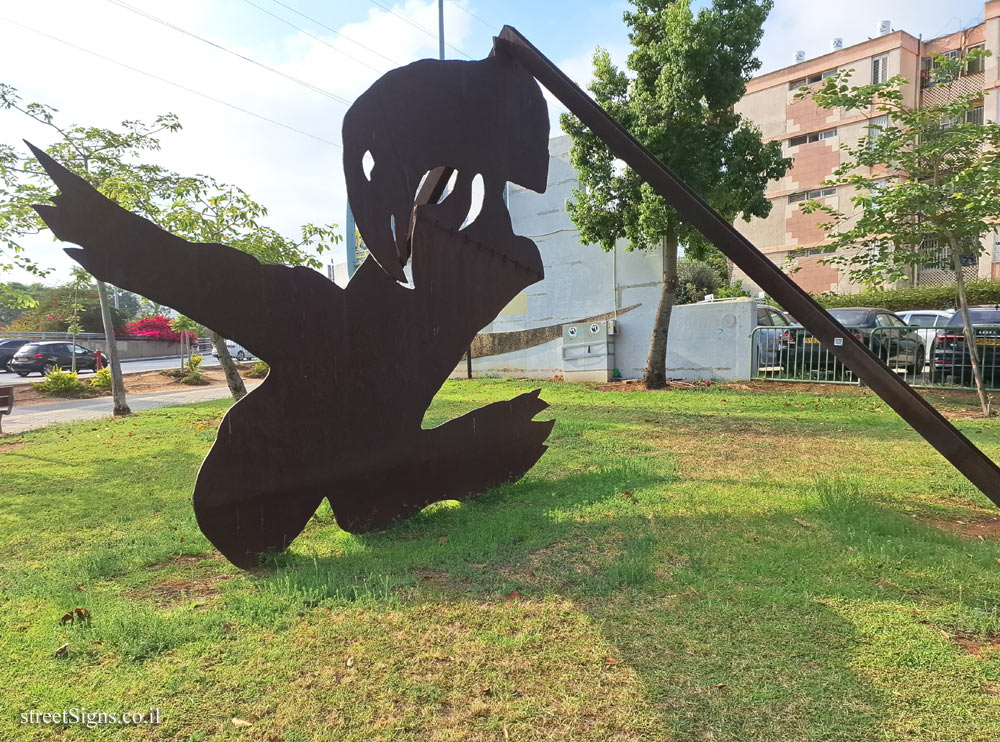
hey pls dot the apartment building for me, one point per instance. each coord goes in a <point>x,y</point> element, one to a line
<point>813,137</point>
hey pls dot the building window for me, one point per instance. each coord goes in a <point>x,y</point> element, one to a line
<point>811,195</point>
<point>876,127</point>
<point>880,69</point>
<point>813,137</point>
<point>972,116</point>
<point>949,121</point>
<point>975,66</point>
<point>803,81</point>
<point>926,81</point>
<point>928,65</point>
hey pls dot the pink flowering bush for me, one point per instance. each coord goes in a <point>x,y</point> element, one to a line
<point>155,328</point>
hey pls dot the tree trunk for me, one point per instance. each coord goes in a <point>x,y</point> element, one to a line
<point>233,379</point>
<point>656,365</point>
<point>970,335</point>
<point>121,407</point>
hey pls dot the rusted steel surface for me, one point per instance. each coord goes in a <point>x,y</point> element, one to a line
<point>353,370</point>
<point>927,421</point>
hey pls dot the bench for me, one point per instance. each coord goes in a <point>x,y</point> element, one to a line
<point>6,402</point>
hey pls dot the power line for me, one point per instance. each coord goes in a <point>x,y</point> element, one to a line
<point>168,24</point>
<point>174,84</point>
<point>313,37</point>
<point>465,10</point>
<point>337,33</point>
<point>413,23</point>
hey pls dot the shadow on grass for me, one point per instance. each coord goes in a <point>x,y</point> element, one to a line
<point>760,625</point>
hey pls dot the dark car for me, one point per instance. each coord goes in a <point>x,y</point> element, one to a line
<point>951,354</point>
<point>885,334</point>
<point>47,356</point>
<point>7,350</point>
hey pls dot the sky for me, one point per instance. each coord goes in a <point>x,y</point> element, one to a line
<point>276,132</point>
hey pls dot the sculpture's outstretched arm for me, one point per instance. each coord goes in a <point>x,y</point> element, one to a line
<point>213,284</point>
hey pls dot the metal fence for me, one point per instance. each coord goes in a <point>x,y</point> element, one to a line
<point>6,335</point>
<point>204,345</point>
<point>927,357</point>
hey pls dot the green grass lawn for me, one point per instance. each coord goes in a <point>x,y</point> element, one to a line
<point>708,564</point>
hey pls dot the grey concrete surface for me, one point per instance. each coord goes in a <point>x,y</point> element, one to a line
<point>30,417</point>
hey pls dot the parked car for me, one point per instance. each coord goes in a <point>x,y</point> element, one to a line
<point>951,356</point>
<point>7,350</point>
<point>770,344</point>
<point>897,346</point>
<point>927,320</point>
<point>237,351</point>
<point>46,356</point>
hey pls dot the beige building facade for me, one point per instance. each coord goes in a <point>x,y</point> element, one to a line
<point>813,136</point>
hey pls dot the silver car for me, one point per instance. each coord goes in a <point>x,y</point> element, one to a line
<point>927,321</point>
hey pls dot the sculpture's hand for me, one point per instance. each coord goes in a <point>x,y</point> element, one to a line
<point>80,213</point>
<point>208,282</point>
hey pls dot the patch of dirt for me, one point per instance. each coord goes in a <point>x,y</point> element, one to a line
<point>798,387</point>
<point>201,586</point>
<point>199,590</point>
<point>981,528</point>
<point>964,414</point>
<point>976,644</point>
<point>431,575</point>
<point>143,382</point>
<point>10,446</point>
<point>635,385</point>
<point>189,560</point>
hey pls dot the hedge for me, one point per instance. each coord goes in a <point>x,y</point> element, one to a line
<point>920,297</point>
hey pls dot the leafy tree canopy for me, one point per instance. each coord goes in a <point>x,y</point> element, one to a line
<point>689,70</point>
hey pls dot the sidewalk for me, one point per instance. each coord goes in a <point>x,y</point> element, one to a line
<point>34,416</point>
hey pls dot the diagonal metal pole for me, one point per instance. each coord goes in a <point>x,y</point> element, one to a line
<point>913,408</point>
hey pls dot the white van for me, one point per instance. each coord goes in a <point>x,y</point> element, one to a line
<point>236,351</point>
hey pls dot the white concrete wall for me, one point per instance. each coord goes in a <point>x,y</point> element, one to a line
<point>580,281</point>
<point>711,341</point>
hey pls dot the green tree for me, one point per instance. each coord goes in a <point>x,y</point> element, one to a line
<point>205,210</point>
<point>53,309</point>
<point>926,182</point>
<point>106,159</point>
<point>17,298</point>
<point>689,72</point>
<point>81,281</point>
<point>695,279</point>
<point>197,208</point>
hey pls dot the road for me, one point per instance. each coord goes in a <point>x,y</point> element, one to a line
<point>132,366</point>
<point>30,417</point>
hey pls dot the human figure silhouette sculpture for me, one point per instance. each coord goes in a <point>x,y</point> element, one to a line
<point>353,370</point>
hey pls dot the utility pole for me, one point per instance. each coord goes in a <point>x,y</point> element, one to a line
<point>440,29</point>
<point>468,352</point>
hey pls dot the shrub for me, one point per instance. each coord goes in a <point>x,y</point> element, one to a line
<point>257,371</point>
<point>102,380</point>
<point>156,328</point>
<point>194,375</point>
<point>61,383</point>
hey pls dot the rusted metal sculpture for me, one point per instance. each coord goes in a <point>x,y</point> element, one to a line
<point>353,370</point>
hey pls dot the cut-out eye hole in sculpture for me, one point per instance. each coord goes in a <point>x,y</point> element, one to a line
<point>345,423</point>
